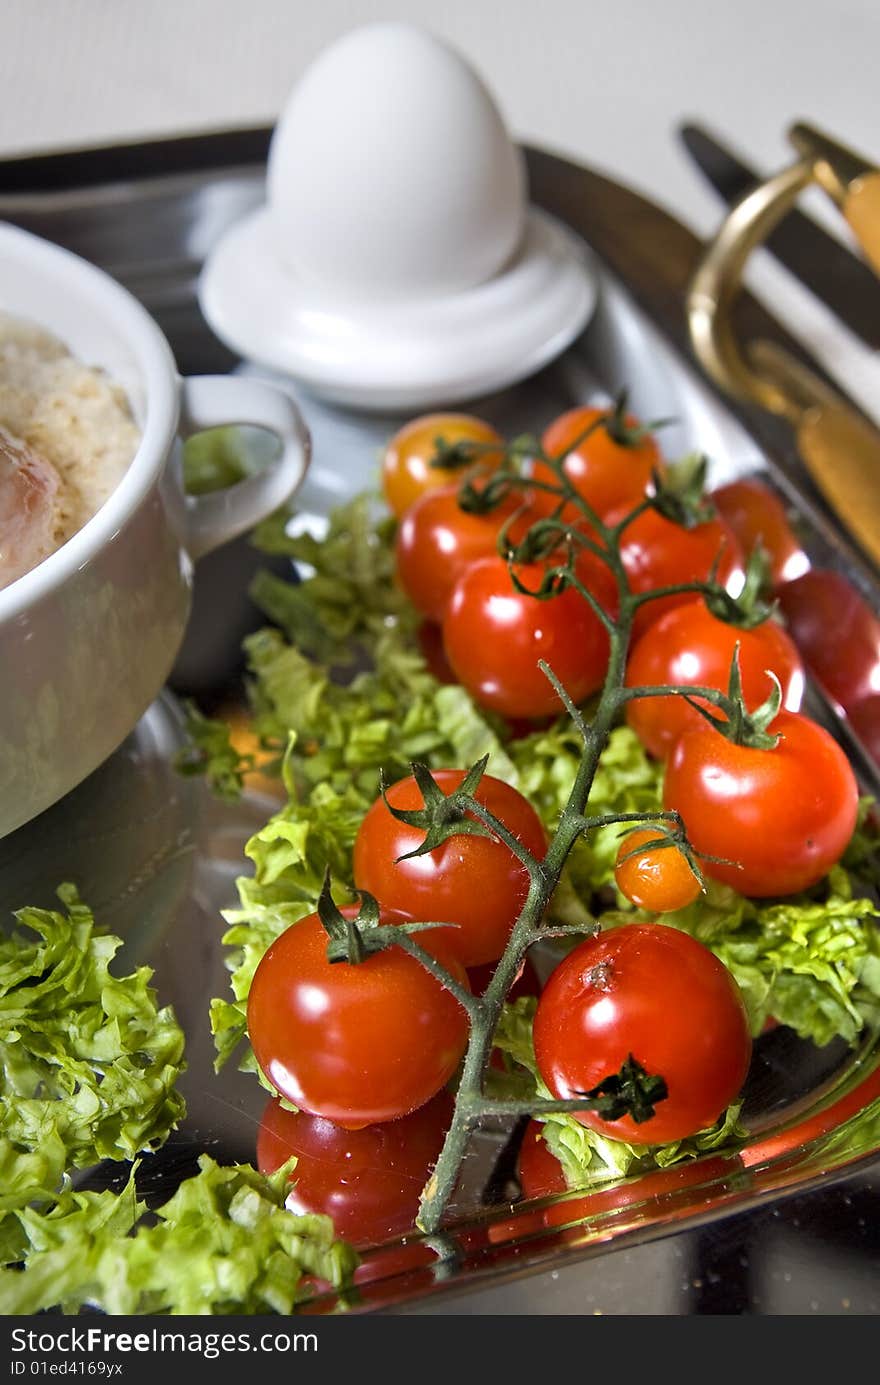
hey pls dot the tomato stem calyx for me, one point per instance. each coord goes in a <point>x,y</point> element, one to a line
<point>630,1092</point>
<point>456,456</point>
<point>749,609</point>
<point>353,940</point>
<point>625,433</point>
<point>680,493</point>
<point>444,815</point>
<point>737,724</point>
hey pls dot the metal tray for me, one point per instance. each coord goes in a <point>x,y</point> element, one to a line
<point>160,875</point>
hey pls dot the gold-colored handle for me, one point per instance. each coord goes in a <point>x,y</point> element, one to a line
<point>848,178</point>
<point>717,280</point>
<point>840,448</point>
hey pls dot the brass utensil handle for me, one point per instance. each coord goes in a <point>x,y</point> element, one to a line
<point>840,447</point>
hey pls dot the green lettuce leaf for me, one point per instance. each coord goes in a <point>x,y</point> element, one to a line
<point>224,1243</point>
<point>587,1157</point>
<point>346,595</point>
<point>209,751</point>
<point>89,1062</point>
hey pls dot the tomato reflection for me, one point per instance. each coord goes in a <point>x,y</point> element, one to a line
<point>541,1176</point>
<point>368,1181</point>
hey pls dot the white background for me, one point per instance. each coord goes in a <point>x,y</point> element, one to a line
<point>608,83</point>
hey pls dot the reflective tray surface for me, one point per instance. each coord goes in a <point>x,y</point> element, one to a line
<point>790,1226</point>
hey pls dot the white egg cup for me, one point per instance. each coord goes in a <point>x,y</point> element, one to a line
<point>397,263</point>
<point>396,355</point>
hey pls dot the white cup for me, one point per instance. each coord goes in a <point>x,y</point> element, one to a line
<point>88,637</point>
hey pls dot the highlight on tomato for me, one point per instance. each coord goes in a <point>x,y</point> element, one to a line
<point>690,646</point>
<point>368,1181</point>
<point>359,1043</point>
<point>611,459</point>
<point>495,635</point>
<point>474,882</point>
<point>654,993</point>
<point>782,816</point>
<point>653,873</point>
<point>407,471</point>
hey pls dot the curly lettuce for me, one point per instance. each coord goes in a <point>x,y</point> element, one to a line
<point>224,1243</point>
<point>89,1060</point>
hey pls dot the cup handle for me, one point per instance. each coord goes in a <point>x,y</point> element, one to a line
<point>217,401</point>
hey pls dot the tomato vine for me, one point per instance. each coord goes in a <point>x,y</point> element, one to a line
<point>568,529</point>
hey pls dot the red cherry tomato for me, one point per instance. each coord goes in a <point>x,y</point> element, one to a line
<point>494,637</point>
<point>369,1181</point>
<point>430,638</point>
<point>656,993</point>
<point>658,553</point>
<point>658,878</point>
<point>757,516</point>
<point>473,881</point>
<point>836,632</point>
<point>688,646</point>
<point>407,472</point>
<point>358,1043</point>
<point>609,472</point>
<point>437,540</point>
<point>783,816</point>
<point>539,1171</point>
<point>864,718</point>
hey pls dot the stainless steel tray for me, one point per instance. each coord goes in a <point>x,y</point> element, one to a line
<point>159,875</point>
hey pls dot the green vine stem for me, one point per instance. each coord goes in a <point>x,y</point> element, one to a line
<point>471,1105</point>
<point>632,1090</point>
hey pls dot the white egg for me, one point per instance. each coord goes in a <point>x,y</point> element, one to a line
<point>391,174</point>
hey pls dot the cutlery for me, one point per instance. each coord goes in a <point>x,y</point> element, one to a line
<point>839,278</point>
<point>839,446</point>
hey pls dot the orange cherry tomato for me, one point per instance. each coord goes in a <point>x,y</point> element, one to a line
<point>407,472</point>
<point>658,878</point>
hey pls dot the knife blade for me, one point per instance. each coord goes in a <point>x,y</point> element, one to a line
<point>837,276</point>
